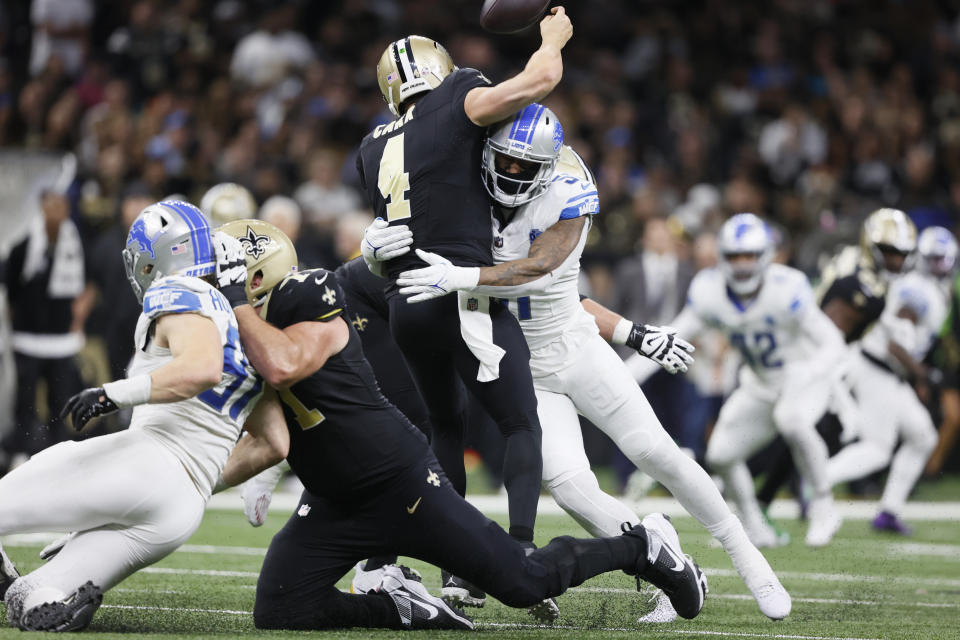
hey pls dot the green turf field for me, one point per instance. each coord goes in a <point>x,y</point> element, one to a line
<point>863,586</point>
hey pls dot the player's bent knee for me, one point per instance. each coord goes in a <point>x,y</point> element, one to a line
<point>719,459</point>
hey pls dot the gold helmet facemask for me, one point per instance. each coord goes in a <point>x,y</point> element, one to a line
<point>888,230</point>
<point>269,254</point>
<point>411,66</point>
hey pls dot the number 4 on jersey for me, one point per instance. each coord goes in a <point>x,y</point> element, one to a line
<point>393,181</point>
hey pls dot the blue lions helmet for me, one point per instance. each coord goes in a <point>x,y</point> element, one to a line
<point>938,252</point>
<point>532,141</point>
<point>744,235</point>
<point>168,238</point>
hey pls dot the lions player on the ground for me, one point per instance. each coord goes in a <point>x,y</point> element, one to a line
<point>136,495</point>
<point>790,350</point>
<point>887,376</point>
<point>540,227</point>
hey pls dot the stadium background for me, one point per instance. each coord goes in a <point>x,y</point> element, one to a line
<point>812,113</point>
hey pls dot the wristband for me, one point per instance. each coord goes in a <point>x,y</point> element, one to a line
<point>236,294</point>
<point>621,332</point>
<point>129,392</point>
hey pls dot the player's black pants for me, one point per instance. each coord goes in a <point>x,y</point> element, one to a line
<point>388,362</point>
<point>428,333</point>
<point>324,539</point>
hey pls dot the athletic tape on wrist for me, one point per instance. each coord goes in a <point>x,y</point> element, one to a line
<point>622,331</point>
<point>130,391</point>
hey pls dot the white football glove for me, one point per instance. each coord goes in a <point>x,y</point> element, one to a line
<point>662,345</point>
<point>231,270</point>
<point>439,279</point>
<point>382,242</point>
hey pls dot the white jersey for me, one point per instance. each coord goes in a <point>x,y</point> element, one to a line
<point>200,431</point>
<point>925,298</point>
<point>768,330</point>
<point>546,317</point>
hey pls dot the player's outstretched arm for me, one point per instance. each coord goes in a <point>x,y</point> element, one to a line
<point>488,105</point>
<point>661,345</point>
<point>550,255</point>
<point>197,365</point>
<point>266,443</point>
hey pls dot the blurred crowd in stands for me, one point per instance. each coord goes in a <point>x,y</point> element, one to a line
<point>811,113</point>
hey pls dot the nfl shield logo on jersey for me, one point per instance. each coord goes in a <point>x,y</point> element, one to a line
<point>472,304</point>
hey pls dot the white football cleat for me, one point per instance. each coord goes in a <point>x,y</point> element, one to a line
<point>44,611</point>
<point>369,581</point>
<point>755,571</point>
<point>825,521</point>
<point>662,613</point>
<point>365,581</point>
<point>771,597</point>
<point>257,492</point>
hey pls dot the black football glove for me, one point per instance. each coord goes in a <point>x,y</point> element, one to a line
<point>87,405</point>
<point>231,269</point>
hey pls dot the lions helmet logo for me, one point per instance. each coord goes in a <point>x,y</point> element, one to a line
<point>138,232</point>
<point>253,244</point>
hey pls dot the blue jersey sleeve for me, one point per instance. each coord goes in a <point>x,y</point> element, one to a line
<point>171,299</point>
<point>584,203</point>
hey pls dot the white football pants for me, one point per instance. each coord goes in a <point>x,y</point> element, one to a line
<point>597,384</point>
<point>889,408</point>
<point>752,417</point>
<point>130,500</point>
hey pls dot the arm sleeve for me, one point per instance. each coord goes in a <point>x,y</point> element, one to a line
<point>541,284</point>
<point>688,325</point>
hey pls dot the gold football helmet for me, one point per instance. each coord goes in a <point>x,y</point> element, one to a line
<point>226,202</point>
<point>269,254</point>
<point>411,66</point>
<point>888,231</point>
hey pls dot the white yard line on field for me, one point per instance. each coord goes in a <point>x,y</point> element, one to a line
<point>509,625</point>
<point>947,551</point>
<point>744,596</point>
<point>697,632</point>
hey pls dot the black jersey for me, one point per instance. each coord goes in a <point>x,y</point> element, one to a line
<point>423,170</point>
<point>359,283</point>
<point>847,277</point>
<point>345,437</point>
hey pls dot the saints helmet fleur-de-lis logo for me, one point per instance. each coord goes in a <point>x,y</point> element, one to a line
<point>253,244</point>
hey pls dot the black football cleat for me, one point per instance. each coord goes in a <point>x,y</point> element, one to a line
<point>457,592</point>
<point>416,607</point>
<point>666,567</point>
<point>73,613</point>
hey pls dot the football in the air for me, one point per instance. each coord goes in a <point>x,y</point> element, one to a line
<point>510,16</point>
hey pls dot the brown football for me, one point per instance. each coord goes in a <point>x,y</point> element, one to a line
<point>510,16</point>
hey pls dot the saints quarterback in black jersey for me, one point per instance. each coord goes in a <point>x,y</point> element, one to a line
<point>372,484</point>
<point>423,169</point>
